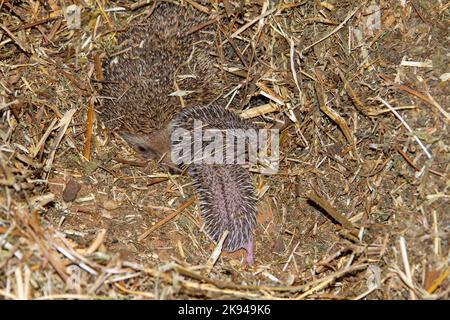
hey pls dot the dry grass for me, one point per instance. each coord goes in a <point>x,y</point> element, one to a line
<point>360,206</point>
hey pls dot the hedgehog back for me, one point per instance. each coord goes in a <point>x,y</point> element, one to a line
<point>139,80</point>
<point>227,196</point>
<point>228,202</point>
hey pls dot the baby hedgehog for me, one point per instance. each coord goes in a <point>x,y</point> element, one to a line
<point>227,196</point>
<point>228,202</point>
<point>162,55</point>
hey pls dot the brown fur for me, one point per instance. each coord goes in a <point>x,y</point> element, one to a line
<point>140,80</point>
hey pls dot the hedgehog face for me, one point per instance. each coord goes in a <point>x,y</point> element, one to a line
<point>154,146</point>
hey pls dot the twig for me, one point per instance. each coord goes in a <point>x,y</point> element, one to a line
<point>406,265</point>
<point>313,196</point>
<point>253,21</point>
<point>439,280</point>
<point>90,121</point>
<point>407,127</point>
<point>216,252</point>
<point>334,115</point>
<point>339,27</point>
<point>167,219</point>
<point>95,244</point>
<point>417,94</point>
<point>15,39</point>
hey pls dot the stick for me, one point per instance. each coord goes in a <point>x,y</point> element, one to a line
<point>166,219</point>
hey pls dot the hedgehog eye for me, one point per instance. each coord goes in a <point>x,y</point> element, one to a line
<point>147,152</point>
<point>142,149</point>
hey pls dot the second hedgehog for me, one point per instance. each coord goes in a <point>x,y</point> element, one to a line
<point>227,196</point>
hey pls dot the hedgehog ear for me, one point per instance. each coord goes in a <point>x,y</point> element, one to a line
<point>141,144</point>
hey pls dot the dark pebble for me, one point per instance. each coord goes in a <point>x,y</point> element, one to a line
<point>71,190</point>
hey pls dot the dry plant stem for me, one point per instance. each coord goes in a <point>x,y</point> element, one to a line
<point>413,289</point>
<point>318,287</point>
<point>233,44</point>
<point>258,111</point>
<point>216,252</point>
<point>15,39</point>
<point>373,113</point>
<point>95,244</point>
<point>333,115</point>
<point>416,94</point>
<point>8,295</point>
<point>80,85</point>
<point>236,289</point>
<point>41,142</point>
<point>253,21</point>
<point>140,4</point>
<point>406,265</point>
<point>36,23</point>
<point>204,24</point>
<point>90,122</point>
<point>167,219</point>
<point>407,158</point>
<point>104,14</point>
<point>292,65</point>
<point>324,204</point>
<point>63,125</point>
<point>406,125</point>
<point>137,293</point>
<point>54,261</point>
<point>439,280</point>
<point>352,94</point>
<point>339,27</point>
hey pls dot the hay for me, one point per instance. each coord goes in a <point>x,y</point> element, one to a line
<point>358,210</point>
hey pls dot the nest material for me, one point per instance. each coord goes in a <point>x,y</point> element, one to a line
<point>357,210</point>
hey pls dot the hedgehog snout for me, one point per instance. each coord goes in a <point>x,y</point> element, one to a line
<point>155,146</point>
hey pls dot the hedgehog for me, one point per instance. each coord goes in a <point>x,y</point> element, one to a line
<point>227,196</point>
<point>162,56</point>
<point>218,120</point>
<point>160,62</point>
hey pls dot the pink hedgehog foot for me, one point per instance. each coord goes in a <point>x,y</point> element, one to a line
<point>249,249</point>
